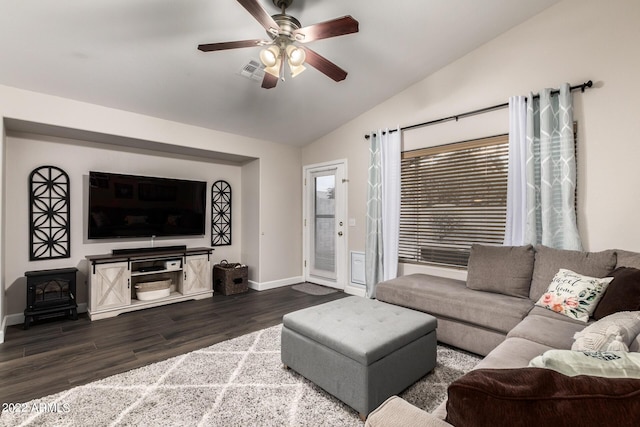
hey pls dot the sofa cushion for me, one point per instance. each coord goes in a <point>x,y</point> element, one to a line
<point>609,364</point>
<point>451,299</point>
<point>501,269</point>
<point>474,338</point>
<point>397,412</point>
<point>555,333</point>
<point>627,259</point>
<point>615,332</point>
<point>573,294</point>
<point>534,397</point>
<point>539,311</point>
<point>549,261</point>
<point>622,294</point>
<point>512,353</point>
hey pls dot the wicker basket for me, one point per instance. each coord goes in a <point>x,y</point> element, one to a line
<point>230,278</point>
<point>146,291</point>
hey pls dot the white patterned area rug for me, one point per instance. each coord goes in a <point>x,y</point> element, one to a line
<point>240,382</point>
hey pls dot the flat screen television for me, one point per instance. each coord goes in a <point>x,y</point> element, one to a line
<point>142,206</point>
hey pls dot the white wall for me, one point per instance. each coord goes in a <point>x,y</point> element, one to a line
<point>280,219</point>
<point>2,252</point>
<point>574,41</point>
<point>250,224</point>
<point>278,212</point>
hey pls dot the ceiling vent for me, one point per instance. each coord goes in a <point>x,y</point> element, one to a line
<point>254,70</point>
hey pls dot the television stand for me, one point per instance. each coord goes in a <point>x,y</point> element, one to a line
<point>113,278</point>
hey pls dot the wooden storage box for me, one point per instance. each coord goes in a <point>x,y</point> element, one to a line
<point>229,278</point>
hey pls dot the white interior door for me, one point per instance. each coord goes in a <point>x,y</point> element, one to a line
<point>324,224</point>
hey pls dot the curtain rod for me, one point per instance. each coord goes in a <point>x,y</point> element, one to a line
<point>456,117</point>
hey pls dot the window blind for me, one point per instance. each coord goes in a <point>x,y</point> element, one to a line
<point>451,197</point>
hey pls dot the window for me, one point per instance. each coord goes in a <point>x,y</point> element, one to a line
<point>451,197</point>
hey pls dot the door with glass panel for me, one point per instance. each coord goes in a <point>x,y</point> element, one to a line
<point>324,228</point>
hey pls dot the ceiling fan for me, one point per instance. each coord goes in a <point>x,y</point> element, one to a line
<point>286,34</point>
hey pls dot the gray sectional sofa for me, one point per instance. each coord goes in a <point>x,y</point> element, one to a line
<point>494,314</point>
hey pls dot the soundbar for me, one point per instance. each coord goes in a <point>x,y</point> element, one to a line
<point>132,251</point>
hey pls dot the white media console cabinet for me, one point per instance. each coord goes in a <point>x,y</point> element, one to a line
<point>113,278</point>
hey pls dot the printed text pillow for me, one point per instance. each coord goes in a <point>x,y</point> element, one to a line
<point>573,294</point>
<point>609,364</point>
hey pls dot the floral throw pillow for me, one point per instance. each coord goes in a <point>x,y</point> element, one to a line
<point>573,294</point>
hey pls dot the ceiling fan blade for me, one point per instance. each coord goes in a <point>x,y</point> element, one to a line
<point>324,30</point>
<point>261,15</point>
<point>325,66</point>
<point>232,45</point>
<point>270,81</point>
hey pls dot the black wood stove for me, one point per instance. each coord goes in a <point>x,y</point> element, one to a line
<point>50,293</point>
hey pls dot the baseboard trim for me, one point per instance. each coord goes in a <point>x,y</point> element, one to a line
<point>18,318</point>
<point>263,286</point>
<point>357,290</point>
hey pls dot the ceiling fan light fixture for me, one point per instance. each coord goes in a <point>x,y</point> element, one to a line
<point>296,69</point>
<point>270,56</point>
<point>274,70</point>
<point>296,55</point>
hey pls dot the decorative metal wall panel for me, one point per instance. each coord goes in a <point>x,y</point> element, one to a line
<point>49,214</point>
<point>220,214</point>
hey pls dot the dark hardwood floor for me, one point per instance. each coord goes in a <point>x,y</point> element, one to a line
<point>56,355</point>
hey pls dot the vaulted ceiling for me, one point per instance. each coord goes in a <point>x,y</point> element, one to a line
<point>141,56</point>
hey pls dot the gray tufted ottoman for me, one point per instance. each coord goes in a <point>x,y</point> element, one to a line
<point>359,350</point>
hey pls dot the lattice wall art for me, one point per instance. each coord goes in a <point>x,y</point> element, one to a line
<point>220,214</point>
<point>49,214</point>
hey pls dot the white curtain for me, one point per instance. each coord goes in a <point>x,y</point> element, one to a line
<point>550,173</point>
<point>383,208</point>
<point>391,148</point>
<point>515,227</point>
